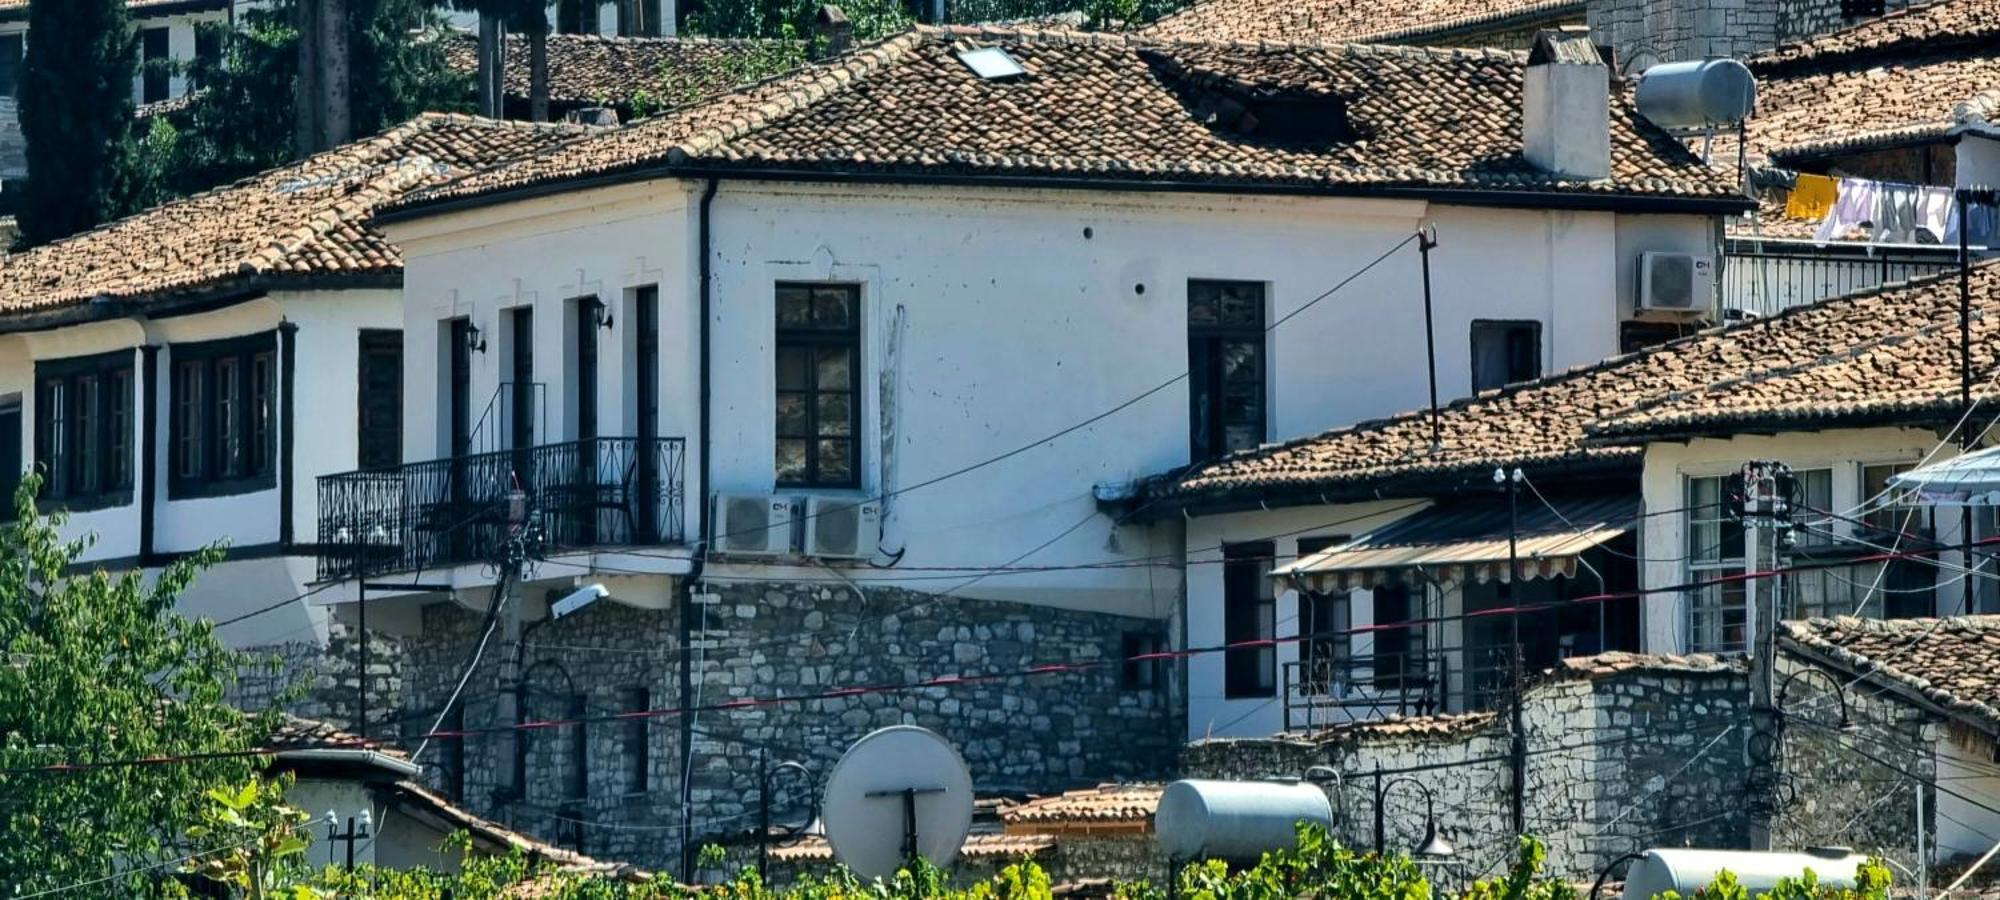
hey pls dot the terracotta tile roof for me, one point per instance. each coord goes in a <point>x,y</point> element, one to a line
<point>587,69</point>
<point>1903,368</point>
<point>1443,726</point>
<point>1366,21</point>
<point>1102,805</point>
<point>1887,353</point>
<point>1106,107</point>
<point>296,733</point>
<point>303,221</point>
<point>816,848</point>
<point>1952,662</point>
<point>1617,663</point>
<point>1873,104</point>
<point>412,797</point>
<point>1924,27</point>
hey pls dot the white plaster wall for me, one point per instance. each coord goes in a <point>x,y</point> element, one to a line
<point>180,47</point>
<point>1668,465</point>
<point>1638,234</point>
<point>1978,162</point>
<point>345,798</point>
<point>1210,712</point>
<point>115,528</point>
<point>326,387</point>
<point>243,520</point>
<point>1018,325</point>
<point>1967,824</point>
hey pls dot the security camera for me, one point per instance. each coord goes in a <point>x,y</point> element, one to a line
<point>578,599</point>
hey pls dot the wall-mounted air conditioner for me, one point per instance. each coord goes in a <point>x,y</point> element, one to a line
<point>842,528</point>
<point>753,524</point>
<point>1676,282</point>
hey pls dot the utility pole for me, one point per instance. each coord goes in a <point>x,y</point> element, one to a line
<point>1517,755</point>
<point>492,66</point>
<point>1768,492</point>
<point>1426,242</point>
<point>513,556</point>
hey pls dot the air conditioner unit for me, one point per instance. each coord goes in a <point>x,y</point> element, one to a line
<point>841,528</point>
<point>753,524</point>
<point>1676,282</point>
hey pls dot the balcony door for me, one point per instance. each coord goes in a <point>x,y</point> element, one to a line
<point>589,498</point>
<point>10,456</point>
<point>646,455</point>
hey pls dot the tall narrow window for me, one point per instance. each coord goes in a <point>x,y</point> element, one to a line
<point>1717,613</point>
<point>83,425</point>
<point>458,387</point>
<point>819,384</point>
<point>1396,649</point>
<point>12,48</point>
<point>379,408</point>
<point>1505,352</point>
<point>208,43</point>
<point>1324,620</point>
<point>576,16</point>
<point>638,742</point>
<point>646,307</point>
<point>1226,390</point>
<point>522,414</point>
<point>154,66</point>
<point>224,405</point>
<point>453,764</point>
<point>579,748</point>
<point>11,465</point>
<point>587,312</point>
<point>1249,613</point>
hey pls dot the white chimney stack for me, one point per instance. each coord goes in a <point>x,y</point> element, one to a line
<point>1566,108</point>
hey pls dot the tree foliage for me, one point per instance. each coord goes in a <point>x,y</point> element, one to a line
<point>790,19</point>
<point>96,668</point>
<point>76,109</point>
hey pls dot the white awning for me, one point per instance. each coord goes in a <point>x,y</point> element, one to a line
<point>1467,541</point>
<point>1969,480</point>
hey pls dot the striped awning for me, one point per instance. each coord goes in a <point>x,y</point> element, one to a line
<point>1467,541</point>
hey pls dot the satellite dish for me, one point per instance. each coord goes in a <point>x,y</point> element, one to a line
<point>899,793</point>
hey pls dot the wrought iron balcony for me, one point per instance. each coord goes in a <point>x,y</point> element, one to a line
<point>605,492</point>
<point>1332,687</point>
<point>1765,277</point>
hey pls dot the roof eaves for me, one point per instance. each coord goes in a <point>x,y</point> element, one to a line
<point>1488,21</point>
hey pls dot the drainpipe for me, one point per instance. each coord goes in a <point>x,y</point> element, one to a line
<point>704,246</point>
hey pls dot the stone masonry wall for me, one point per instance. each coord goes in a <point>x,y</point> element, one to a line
<point>1637,758</point>
<point>1647,32</point>
<point>762,640</point>
<point>319,682</point>
<point>1833,796</point>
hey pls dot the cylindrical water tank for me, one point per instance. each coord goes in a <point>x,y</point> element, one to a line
<point>1697,94</point>
<point>1236,820</point>
<point>1686,871</point>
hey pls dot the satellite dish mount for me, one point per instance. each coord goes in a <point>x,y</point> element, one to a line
<point>909,796</point>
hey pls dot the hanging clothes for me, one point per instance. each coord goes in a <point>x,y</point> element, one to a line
<point>1982,224</point>
<point>1934,212</point>
<point>1812,198</point>
<point>1853,212</point>
<point>1896,213</point>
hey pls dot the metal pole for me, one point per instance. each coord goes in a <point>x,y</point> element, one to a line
<point>510,700</point>
<point>1518,742</point>
<point>763,812</point>
<point>1962,197</point>
<point>1923,858</point>
<point>1426,241</point>
<point>1379,837</point>
<point>361,613</point>
<point>349,838</point>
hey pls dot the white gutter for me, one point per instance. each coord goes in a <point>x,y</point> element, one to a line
<point>398,765</point>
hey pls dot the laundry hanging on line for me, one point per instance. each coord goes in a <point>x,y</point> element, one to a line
<point>1886,212</point>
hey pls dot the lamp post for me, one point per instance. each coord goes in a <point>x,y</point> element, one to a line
<point>1434,845</point>
<point>1846,722</point>
<point>765,773</point>
<point>353,833</point>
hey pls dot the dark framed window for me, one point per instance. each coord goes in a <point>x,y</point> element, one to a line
<point>225,402</point>
<point>10,455</point>
<point>1323,621</point>
<point>451,779</point>
<point>521,385</point>
<point>638,742</point>
<point>576,16</point>
<point>13,47</point>
<point>587,311</point>
<point>155,70</point>
<point>1142,674</point>
<point>208,42</point>
<point>646,353</point>
<point>1396,649</point>
<point>1226,377</point>
<point>1249,613</point>
<point>1504,352</point>
<point>458,384</point>
<point>579,747</point>
<point>83,429</point>
<point>379,407</point>
<point>819,385</point>
<point>1855,9</point>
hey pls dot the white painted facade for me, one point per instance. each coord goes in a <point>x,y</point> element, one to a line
<point>1842,453</point>
<point>326,342</point>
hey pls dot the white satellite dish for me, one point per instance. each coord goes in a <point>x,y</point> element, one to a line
<point>897,794</point>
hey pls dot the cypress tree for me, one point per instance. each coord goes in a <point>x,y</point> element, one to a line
<point>76,114</point>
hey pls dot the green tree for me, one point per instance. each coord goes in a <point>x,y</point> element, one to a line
<point>97,671</point>
<point>787,19</point>
<point>76,110</point>
<point>254,838</point>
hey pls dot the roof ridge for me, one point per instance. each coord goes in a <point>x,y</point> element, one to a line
<point>1807,53</point>
<point>1141,40</point>
<point>625,39</point>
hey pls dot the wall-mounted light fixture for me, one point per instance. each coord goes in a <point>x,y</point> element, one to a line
<point>475,341</point>
<point>600,313</point>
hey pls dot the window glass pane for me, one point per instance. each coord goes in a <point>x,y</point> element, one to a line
<point>792,418</point>
<point>794,307</point>
<point>262,403</point>
<point>188,453</point>
<point>832,371</point>
<point>1815,500</point>
<point>835,466</point>
<point>1204,304</point>
<point>1888,509</point>
<point>793,370</point>
<point>832,307</point>
<point>119,430</point>
<point>87,471</point>
<point>227,418</point>
<point>791,461</point>
<point>833,415</point>
<point>1243,305</point>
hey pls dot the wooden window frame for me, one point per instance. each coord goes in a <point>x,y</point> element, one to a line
<point>378,444</point>
<point>102,477</point>
<point>1249,673</point>
<point>637,741</point>
<point>1503,330</point>
<point>847,337</point>
<point>154,71</point>
<point>1208,425</point>
<point>223,443</point>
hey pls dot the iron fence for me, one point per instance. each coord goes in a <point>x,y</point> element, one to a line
<point>603,492</point>
<point>1329,689</point>
<point>1765,277</point>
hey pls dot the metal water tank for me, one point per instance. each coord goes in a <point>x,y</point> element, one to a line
<point>1686,870</point>
<point>1697,94</point>
<point>1236,820</point>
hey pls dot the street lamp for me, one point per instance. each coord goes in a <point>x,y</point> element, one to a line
<point>1846,722</point>
<point>1434,845</point>
<point>765,773</point>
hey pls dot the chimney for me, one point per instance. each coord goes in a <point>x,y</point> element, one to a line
<point>1566,106</point>
<point>832,32</point>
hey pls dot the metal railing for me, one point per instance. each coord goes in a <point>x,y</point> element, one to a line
<point>605,492</point>
<point>1331,688</point>
<point>1764,277</point>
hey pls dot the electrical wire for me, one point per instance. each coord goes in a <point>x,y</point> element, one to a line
<point>70,888</point>
<point>471,663</point>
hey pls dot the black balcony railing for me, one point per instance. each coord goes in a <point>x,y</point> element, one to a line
<point>605,492</point>
<point>1324,690</point>
<point>1765,277</point>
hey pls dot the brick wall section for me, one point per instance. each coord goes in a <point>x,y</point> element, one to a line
<point>1647,32</point>
<point>1640,757</point>
<point>772,639</point>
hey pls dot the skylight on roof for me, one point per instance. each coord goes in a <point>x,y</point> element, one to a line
<point>991,63</point>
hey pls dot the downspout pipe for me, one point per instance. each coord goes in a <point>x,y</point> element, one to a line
<point>689,587</point>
